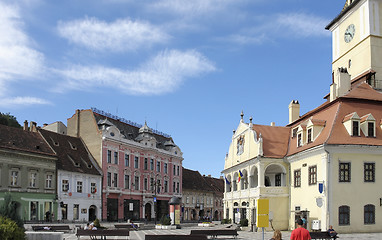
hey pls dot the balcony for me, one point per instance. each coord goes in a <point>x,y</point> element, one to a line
<point>257,192</point>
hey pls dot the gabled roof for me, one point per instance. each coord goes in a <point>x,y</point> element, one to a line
<point>192,180</point>
<point>23,140</point>
<point>275,140</point>
<point>72,153</point>
<point>217,184</point>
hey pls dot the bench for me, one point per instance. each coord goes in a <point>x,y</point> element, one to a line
<point>321,235</point>
<point>176,237</point>
<point>215,232</point>
<point>124,226</point>
<point>93,234</point>
<point>54,228</point>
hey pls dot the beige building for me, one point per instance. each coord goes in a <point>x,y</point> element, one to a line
<point>324,165</point>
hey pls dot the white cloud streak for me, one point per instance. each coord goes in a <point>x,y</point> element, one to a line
<point>22,101</point>
<point>162,74</point>
<point>121,35</point>
<point>17,58</point>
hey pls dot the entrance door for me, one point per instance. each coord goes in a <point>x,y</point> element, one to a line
<point>112,209</point>
<point>92,213</point>
<point>148,211</point>
<point>33,211</point>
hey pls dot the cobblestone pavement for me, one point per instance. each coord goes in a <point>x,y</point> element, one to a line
<point>244,235</point>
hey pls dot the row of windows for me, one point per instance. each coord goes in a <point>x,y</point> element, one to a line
<point>79,186</point>
<point>368,215</point>
<point>344,173</point>
<point>154,186</point>
<point>205,200</point>
<point>176,169</point>
<point>15,179</point>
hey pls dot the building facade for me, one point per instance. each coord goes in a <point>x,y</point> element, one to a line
<point>202,197</point>
<point>79,178</point>
<point>28,172</point>
<point>323,165</point>
<point>142,168</point>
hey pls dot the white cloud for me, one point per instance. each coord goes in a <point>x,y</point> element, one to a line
<point>22,101</point>
<point>18,60</point>
<point>121,35</point>
<point>301,25</point>
<point>161,74</point>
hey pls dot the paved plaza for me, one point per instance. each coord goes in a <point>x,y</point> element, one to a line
<point>244,235</point>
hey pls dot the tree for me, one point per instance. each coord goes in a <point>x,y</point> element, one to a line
<point>9,230</point>
<point>8,209</point>
<point>9,120</point>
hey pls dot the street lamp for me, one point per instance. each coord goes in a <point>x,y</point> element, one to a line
<point>156,185</point>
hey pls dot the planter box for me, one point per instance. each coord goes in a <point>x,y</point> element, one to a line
<point>167,227</point>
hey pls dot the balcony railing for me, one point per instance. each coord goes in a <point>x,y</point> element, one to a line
<point>256,192</point>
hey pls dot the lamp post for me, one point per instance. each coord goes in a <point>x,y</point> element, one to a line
<point>156,185</point>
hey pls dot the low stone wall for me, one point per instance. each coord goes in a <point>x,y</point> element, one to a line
<point>44,235</point>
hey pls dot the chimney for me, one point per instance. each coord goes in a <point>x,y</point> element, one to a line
<point>33,127</point>
<point>25,125</point>
<point>272,124</point>
<point>209,175</point>
<point>294,111</point>
<point>44,125</point>
<point>77,127</point>
<point>341,84</point>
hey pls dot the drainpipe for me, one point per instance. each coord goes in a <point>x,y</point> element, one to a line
<point>328,189</point>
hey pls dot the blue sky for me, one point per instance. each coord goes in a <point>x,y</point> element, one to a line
<point>187,67</point>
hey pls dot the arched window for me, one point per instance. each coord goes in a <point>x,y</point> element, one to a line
<point>369,214</point>
<point>344,215</point>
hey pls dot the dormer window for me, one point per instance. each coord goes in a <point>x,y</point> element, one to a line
<point>355,127</point>
<point>368,125</point>
<point>309,135</point>
<point>352,124</point>
<point>299,140</point>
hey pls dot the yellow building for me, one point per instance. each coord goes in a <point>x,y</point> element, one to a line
<point>326,164</point>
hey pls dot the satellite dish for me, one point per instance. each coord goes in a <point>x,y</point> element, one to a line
<point>319,202</point>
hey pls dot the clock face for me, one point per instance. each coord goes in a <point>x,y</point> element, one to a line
<point>349,33</point>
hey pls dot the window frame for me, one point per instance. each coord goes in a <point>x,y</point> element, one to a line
<point>93,187</point>
<point>126,181</point>
<point>127,160</point>
<point>79,186</point>
<point>116,158</point>
<point>343,177</point>
<point>310,135</point>
<point>369,214</point>
<point>49,180</point>
<point>65,186</point>
<point>108,156</point>
<point>344,215</point>
<point>369,173</point>
<point>355,129</point>
<point>136,162</point>
<point>297,178</point>
<point>299,139</point>
<point>312,171</point>
<point>369,129</point>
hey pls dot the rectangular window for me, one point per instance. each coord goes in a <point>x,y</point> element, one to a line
<point>79,186</point>
<point>136,183</point>
<point>158,166</point>
<point>344,215</point>
<point>177,187</point>
<point>136,162</point>
<point>127,160</point>
<point>152,164</point>
<point>115,157</point>
<point>174,170</point>
<point>146,162</point>
<point>109,179</point>
<point>152,184</point>
<point>297,178</point>
<point>312,175</point>
<point>178,169</point>
<point>108,156</point>
<point>146,184</point>
<point>127,182</point>
<point>299,143</point>
<point>344,172</point>
<point>65,185</point>
<point>370,129</point>
<point>158,186</point>
<point>48,181</point>
<point>369,214</point>
<point>294,132</point>
<point>165,186</point>
<point>115,182</point>
<point>14,178</point>
<point>309,135</point>
<point>33,180</point>
<point>173,187</point>
<point>165,168</point>
<point>93,187</point>
<point>355,128</point>
<point>369,172</point>
<point>187,199</point>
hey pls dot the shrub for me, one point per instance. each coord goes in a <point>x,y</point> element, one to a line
<point>226,221</point>
<point>9,230</point>
<point>96,223</point>
<point>8,209</point>
<point>244,222</point>
<point>165,220</point>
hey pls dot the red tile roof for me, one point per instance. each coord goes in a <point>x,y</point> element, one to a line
<point>275,140</point>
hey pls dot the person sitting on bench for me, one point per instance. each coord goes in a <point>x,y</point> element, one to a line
<point>331,231</point>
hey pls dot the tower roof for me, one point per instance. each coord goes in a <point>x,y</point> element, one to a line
<point>349,4</point>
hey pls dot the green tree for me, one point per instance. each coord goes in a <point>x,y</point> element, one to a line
<point>8,209</point>
<point>9,230</point>
<point>9,120</point>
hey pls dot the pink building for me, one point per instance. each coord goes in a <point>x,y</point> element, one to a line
<point>142,168</point>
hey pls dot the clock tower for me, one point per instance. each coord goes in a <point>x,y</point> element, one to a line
<point>357,38</point>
